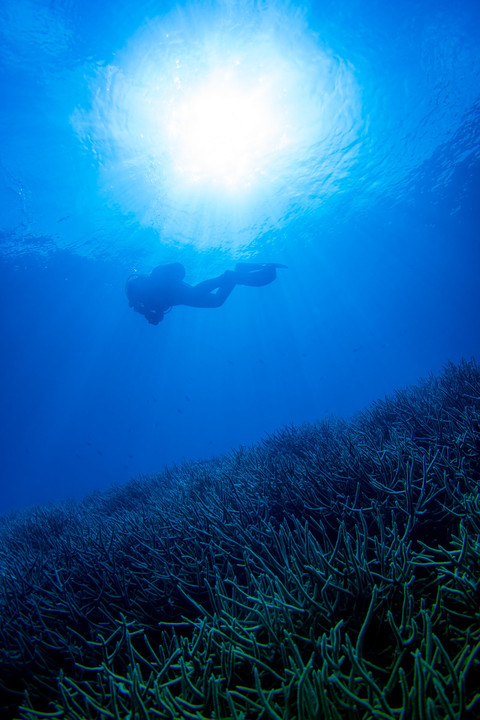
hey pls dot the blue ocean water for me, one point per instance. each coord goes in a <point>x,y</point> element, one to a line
<point>360,172</point>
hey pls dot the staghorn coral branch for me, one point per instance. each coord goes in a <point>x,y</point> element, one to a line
<point>331,571</point>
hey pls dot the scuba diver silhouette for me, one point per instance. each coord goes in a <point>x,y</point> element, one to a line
<point>155,294</point>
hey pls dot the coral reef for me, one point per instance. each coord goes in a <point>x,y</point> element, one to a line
<point>332,571</point>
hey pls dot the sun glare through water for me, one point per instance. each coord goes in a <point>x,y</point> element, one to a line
<point>211,124</point>
<point>225,132</point>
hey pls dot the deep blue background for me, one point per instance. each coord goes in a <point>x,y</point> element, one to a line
<point>382,287</point>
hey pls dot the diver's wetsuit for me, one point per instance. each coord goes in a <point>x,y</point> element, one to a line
<point>154,294</point>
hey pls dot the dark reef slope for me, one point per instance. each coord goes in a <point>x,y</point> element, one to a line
<point>333,571</point>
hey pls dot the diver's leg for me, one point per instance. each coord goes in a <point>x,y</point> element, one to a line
<point>207,286</point>
<point>213,293</point>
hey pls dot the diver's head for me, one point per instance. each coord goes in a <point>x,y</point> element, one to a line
<point>138,290</point>
<point>154,316</point>
<point>134,289</point>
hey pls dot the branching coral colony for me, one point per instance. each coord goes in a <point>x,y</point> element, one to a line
<point>332,572</point>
